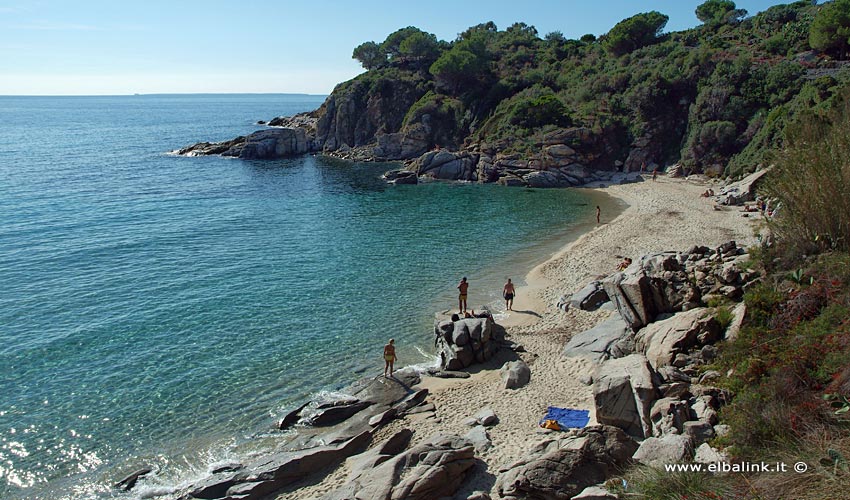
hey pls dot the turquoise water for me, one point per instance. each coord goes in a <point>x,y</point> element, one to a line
<point>165,311</point>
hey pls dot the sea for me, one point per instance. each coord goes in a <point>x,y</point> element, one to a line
<point>163,311</point>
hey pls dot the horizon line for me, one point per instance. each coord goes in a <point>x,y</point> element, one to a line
<point>165,94</point>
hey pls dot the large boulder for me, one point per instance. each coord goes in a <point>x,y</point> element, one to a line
<point>656,284</point>
<point>546,179</point>
<point>465,342</point>
<point>623,392</point>
<point>668,449</point>
<point>558,469</point>
<point>663,340</point>
<point>430,470</point>
<point>590,297</point>
<point>635,297</point>
<point>516,374</point>
<point>611,338</point>
<point>446,165</point>
<point>744,190</point>
<point>668,416</point>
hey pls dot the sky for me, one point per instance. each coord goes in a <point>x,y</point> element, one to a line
<point>119,47</point>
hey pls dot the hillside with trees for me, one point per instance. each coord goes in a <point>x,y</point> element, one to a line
<point>713,98</point>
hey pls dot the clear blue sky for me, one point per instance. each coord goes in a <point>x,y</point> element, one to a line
<point>56,47</point>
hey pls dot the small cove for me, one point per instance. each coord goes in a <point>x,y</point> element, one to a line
<point>165,311</point>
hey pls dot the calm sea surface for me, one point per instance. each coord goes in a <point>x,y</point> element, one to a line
<point>165,311</point>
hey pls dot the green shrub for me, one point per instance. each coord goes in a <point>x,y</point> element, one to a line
<point>723,315</point>
<point>811,180</point>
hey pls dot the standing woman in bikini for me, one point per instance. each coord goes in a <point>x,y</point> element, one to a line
<point>389,357</point>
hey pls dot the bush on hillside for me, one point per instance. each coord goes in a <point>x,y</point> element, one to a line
<point>811,181</point>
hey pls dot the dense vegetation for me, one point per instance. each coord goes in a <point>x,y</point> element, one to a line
<point>789,368</point>
<point>715,97</point>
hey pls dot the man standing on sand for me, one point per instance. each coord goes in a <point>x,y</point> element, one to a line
<point>462,287</point>
<point>598,213</point>
<point>508,292</point>
<point>389,357</point>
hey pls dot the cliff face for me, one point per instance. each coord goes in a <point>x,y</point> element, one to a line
<point>367,108</point>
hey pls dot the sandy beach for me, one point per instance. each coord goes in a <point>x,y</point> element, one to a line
<point>667,214</point>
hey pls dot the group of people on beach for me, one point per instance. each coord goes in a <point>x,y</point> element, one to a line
<point>508,293</point>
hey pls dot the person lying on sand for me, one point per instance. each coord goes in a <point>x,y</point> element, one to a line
<point>623,265</point>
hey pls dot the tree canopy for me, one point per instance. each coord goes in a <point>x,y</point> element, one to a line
<point>831,28</point>
<point>370,55</point>
<point>635,32</point>
<point>718,12</point>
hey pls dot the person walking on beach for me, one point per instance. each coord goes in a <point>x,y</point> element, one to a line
<point>389,357</point>
<point>598,214</point>
<point>508,292</point>
<point>462,287</point>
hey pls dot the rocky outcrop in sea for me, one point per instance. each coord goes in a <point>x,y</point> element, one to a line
<point>342,127</point>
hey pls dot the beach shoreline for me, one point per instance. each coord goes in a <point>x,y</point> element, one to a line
<point>668,214</point>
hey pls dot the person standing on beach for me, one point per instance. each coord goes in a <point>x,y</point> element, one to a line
<point>389,357</point>
<point>655,173</point>
<point>508,292</point>
<point>462,287</point>
<point>598,214</point>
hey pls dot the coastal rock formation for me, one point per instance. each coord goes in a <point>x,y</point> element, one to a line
<point>358,111</point>
<point>662,341</point>
<point>270,474</point>
<point>623,391</point>
<point>447,166</point>
<point>336,412</point>
<point>401,176</point>
<point>558,469</point>
<point>479,438</point>
<point>609,339</point>
<point>380,453</point>
<point>261,145</point>
<point>432,469</point>
<point>670,282</point>
<point>350,423</point>
<point>461,343</point>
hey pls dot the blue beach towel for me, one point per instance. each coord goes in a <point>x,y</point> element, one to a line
<point>567,417</point>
